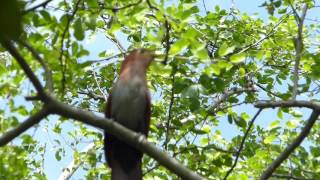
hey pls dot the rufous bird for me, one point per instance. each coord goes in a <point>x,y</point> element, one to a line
<point>129,104</point>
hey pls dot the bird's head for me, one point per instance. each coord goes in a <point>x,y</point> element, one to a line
<point>138,60</point>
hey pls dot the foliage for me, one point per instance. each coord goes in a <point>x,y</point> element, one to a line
<point>219,63</point>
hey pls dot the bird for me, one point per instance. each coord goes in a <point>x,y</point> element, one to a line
<point>129,104</point>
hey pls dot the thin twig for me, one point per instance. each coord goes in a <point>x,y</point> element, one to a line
<point>98,85</point>
<point>169,113</point>
<point>117,43</point>
<point>107,59</point>
<point>64,33</point>
<point>115,9</point>
<point>43,4</point>
<point>75,164</point>
<point>48,73</point>
<point>228,94</point>
<point>242,143</point>
<point>296,14</point>
<point>204,6</point>
<point>167,41</point>
<point>291,147</point>
<point>266,90</point>
<point>270,33</point>
<point>167,44</point>
<point>93,95</point>
<point>298,48</point>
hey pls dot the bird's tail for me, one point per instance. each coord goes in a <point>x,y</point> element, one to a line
<point>119,173</point>
<point>125,161</point>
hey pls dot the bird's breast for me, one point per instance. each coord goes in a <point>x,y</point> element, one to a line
<point>129,102</point>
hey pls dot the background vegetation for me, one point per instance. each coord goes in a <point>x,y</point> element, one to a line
<point>220,70</point>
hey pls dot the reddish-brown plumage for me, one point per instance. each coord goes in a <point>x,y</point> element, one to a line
<point>129,105</point>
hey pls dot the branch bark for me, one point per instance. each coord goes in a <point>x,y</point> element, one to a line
<point>24,126</point>
<point>289,103</point>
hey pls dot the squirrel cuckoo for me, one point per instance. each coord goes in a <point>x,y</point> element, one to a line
<point>129,105</point>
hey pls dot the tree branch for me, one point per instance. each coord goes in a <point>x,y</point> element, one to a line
<point>266,90</point>
<point>49,81</point>
<point>242,144</point>
<point>33,78</point>
<point>134,139</point>
<point>93,95</point>
<point>228,94</point>
<point>98,85</point>
<point>74,165</point>
<point>280,176</point>
<point>24,126</point>
<point>291,147</point>
<point>298,48</point>
<point>289,103</point>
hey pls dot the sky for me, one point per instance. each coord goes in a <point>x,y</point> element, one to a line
<point>99,43</point>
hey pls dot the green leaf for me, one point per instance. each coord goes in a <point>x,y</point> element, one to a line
<point>45,15</point>
<point>242,72</point>
<point>245,116</point>
<point>270,139</point>
<point>293,123</point>
<point>225,49</point>
<point>114,28</point>
<point>212,69</point>
<point>277,3</point>
<point>204,141</point>
<point>202,54</point>
<point>206,129</point>
<point>238,58</point>
<point>58,155</point>
<point>260,55</point>
<point>92,3</point>
<point>178,46</point>
<point>192,91</point>
<point>315,151</point>
<point>78,31</point>
<point>274,124</point>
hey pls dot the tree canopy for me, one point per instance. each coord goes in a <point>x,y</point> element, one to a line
<point>234,96</point>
